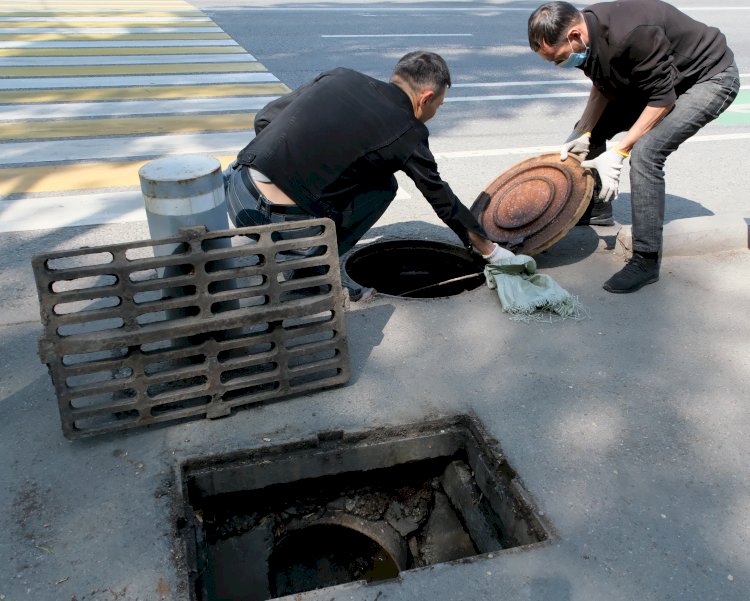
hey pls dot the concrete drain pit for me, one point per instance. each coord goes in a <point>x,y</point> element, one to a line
<point>340,508</point>
<point>415,268</point>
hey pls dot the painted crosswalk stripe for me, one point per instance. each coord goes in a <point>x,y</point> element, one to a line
<point>70,178</point>
<point>111,51</point>
<point>17,154</point>
<point>145,80</point>
<point>144,59</point>
<point>68,71</point>
<point>98,5</point>
<point>121,126</point>
<point>39,46</point>
<point>90,91</point>
<point>93,208</point>
<point>73,94</point>
<point>20,15</point>
<point>42,37</point>
<point>76,20</point>
<point>78,110</point>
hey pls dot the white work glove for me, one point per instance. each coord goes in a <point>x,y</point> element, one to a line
<point>577,143</point>
<point>497,254</point>
<point>609,165</point>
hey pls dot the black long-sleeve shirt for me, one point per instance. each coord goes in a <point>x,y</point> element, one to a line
<point>650,51</point>
<point>341,131</point>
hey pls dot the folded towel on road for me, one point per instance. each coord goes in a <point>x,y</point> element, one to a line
<point>531,296</point>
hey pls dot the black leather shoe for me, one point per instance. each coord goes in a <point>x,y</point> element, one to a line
<point>641,269</point>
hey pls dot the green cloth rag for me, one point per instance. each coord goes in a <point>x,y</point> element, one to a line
<point>528,295</point>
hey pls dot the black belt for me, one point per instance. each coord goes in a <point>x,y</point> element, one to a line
<point>265,204</point>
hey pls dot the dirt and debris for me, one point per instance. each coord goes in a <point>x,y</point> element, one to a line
<point>407,501</point>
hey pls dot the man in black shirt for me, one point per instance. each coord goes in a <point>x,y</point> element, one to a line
<point>659,76</point>
<point>330,149</point>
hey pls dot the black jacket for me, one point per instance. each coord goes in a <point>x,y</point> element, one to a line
<point>649,51</point>
<point>342,132</point>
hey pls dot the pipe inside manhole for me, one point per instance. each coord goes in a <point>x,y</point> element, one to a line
<point>415,268</point>
<point>325,555</point>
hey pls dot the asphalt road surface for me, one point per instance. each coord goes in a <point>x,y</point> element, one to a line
<point>506,104</point>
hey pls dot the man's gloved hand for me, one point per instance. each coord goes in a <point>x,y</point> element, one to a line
<point>497,253</point>
<point>577,143</point>
<point>609,165</point>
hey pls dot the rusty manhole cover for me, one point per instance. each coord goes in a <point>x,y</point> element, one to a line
<point>533,204</point>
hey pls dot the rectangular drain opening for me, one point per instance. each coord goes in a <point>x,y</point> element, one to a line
<point>191,326</point>
<point>339,508</point>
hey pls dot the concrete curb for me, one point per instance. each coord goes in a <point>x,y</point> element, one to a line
<point>696,236</point>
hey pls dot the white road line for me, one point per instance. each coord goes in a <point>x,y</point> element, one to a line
<point>489,9</point>
<point>515,97</point>
<point>109,81</point>
<point>64,211</point>
<point>52,212</point>
<point>532,150</point>
<point>495,8</point>
<point>73,110</point>
<point>398,35</point>
<point>98,8</point>
<point>135,59</point>
<point>59,18</point>
<point>720,137</point>
<point>510,84</point>
<point>547,82</point>
<point>108,30</point>
<point>115,43</point>
<point>93,149</point>
<point>127,206</point>
<point>495,152</point>
<point>96,149</point>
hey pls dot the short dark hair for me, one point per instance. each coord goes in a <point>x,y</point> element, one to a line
<point>549,23</point>
<point>423,69</point>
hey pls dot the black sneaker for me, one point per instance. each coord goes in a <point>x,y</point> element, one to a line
<point>597,213</point>
<point>641,269</point>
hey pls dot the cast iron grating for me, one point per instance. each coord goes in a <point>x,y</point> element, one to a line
<point>194,325</point>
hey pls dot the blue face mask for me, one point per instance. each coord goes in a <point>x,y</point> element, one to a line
<point>575,59</point>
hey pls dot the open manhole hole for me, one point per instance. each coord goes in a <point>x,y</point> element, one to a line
<point>415,268</point>
<point>341,508</point>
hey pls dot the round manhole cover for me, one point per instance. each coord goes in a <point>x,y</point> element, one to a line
<point>415,268</point>
<point>534,204</point>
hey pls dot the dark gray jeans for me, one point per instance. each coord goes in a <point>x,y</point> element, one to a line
<point>366,206</point>
<point>694,108</point>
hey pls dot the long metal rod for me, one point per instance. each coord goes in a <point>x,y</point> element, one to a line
<point>458,279</point>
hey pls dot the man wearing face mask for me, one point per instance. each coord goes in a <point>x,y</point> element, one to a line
<point>659,76</point>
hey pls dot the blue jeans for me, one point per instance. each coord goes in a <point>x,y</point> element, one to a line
<point>694,108</point>
<point>366,205</point>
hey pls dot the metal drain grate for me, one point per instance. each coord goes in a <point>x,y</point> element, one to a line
<point>195,325</point>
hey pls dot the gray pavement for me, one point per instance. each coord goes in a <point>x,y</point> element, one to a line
<point>629,430</point>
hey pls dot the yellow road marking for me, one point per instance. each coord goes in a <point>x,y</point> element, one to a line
<point>141,93</point>
<point>95,6</point>
<point>121,126</point>
<point>82,37</point>
<point>63,22</point>
<point>78,176</point>
<point>121,51</point>
<point>119,14</point>
<point>131,69</point>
